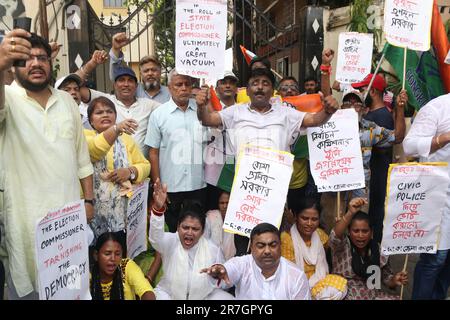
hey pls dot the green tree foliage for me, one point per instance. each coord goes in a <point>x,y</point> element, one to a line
<point>163,14</point>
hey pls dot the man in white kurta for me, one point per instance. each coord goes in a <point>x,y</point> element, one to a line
<point>429,139</point>
<point>43,157</point>
<point>263,274</point>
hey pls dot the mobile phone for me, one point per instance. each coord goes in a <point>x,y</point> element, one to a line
<point>25,24</point>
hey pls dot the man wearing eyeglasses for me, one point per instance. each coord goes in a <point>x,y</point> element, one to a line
<point>288,87</point>
<point>46,156</point>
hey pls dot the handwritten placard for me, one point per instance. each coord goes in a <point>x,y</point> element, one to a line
<point>407,23</point>
<point>201,28</point>
<point>415,198</point>
<point>137,220</point>
<point>354,56</point>
<point>62,254</point>
<point>335,153</point>
<point>259,189</point>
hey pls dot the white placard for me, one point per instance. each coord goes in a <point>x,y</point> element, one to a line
<point>354,56</point>
<point>201,29</point>
<point>137,220</point>
<point>62,254</point>
<point>407,23</point>
<point>335,153</point>
<point>259,189</point>
<point>415,199</point>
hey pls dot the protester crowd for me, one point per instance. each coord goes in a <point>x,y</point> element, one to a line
<point>57,138</point>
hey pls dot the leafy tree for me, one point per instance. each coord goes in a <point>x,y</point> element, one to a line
<point>163,14</point>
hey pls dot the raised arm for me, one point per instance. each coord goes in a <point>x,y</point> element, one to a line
<point>316,119</point>
<point>119,40</point>
<point>98,57</point>
<point>13,47</point>
<point>353,207</point>
<point>205,114</point>
<point>400,125</point>
<point>327,57</point>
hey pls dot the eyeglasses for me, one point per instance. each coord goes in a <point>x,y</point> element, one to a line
<point>40,58</point>
<point>287,87</point>
<point>348,104</point>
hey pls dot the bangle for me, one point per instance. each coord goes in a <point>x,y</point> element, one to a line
<point>437,141</point>
<point>159,212</point>
<point>116,129</point>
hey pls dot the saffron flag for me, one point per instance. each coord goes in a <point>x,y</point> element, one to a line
<point>306,103</point>
<point>441,46</point>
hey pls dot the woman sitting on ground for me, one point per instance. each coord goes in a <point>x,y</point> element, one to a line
<point>357,257</point>
<point>214,227</point>
<point>118,162</point>
<point>114,278</point>
<point>305,245</point>
<point>184,253</point>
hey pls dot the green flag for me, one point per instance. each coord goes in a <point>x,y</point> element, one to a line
<point>423,81</point>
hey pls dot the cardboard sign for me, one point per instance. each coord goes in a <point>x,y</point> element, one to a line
<point>335,153</point>
<point>137,220</point>
<point>259,189</point>
<point>415,198</point>
<point>354,56</point>
<point>407,23</point>
<point>62,254</point>
<point>201,29</point>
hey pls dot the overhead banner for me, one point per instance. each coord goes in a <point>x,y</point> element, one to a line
<point>415,199</point>
<point>335,153</point>
<point>137,220</point>
<point>62,254</point>
<point>259,189</point>
<point>354,56</point>
<point>408,23</point>
<point>201,32</point>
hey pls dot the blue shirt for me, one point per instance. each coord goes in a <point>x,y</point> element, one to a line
<point>162,96</point>
<point>181,139</point>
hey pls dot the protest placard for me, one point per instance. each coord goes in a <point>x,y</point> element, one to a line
<point>407,23</point>
<point>259,189</point>
<point>354,56</point>
<point>201,29</point>
<point>137,220</point>
<point>415,198</point>
<point>335,153</point>
<point>62,254</point>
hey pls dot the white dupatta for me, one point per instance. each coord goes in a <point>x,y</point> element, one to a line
<point>179,272</point>
<point>313,255</point>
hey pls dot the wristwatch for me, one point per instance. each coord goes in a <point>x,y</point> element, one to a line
<point>91,201</point>
<point>132,175</point>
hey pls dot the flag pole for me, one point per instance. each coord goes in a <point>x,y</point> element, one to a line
<point>375,73</point>
<point>404,269</point>
<point>338,205</point>
<point>404,67</point>
<point>277,74</point>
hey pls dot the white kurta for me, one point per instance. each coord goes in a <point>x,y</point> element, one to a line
<point>214,231</point>
<point>288,283</point>
<point>43,154</point>
<point>431,120</point>
<point>164,243</point>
